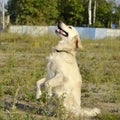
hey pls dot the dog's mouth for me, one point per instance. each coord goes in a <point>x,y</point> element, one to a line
<point>59,30</point>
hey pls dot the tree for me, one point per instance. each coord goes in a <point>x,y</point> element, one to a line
<point>97,13</point>
<point>4,17</point>
<point>32,12</point>
<point>3,14</point>
<point>89,12</point>
<point>94,12</point>
<point>117,16</point>
<point>104,13</point>
<point>50,11</point>
<point>71,11</point>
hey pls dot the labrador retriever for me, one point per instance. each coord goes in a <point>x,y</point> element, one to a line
<point>63,75</point>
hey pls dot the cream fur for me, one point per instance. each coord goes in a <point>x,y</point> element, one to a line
<point>63,75</point>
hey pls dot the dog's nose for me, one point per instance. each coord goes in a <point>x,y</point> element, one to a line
<point>59,22</point>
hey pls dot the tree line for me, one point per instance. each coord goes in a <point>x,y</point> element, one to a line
<point>98,13</point>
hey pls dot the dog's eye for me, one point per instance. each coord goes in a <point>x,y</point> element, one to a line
<point>70,27</point>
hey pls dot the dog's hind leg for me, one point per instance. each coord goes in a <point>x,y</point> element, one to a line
<point>38,85</point>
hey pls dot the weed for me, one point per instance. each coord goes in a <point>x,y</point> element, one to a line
<point>1,89</point>
<point>110,98</point>
<point>108,117</point>
<point>22,63</point>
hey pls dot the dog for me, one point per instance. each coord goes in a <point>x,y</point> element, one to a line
<point>63,75</point>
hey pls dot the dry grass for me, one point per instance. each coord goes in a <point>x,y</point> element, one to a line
<point>22,63</point>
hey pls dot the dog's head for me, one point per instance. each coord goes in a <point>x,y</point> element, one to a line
<point>69,35</point>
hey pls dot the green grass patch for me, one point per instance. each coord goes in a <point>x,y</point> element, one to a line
<point>22,63</point>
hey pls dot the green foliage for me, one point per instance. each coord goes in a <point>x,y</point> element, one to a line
<point>50,11</point>
<point>32,12</point>
<point>104,12</point>
<point>73,12</point>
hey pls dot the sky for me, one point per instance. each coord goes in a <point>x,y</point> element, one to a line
<point>4,0</point>
<point>118,1</point>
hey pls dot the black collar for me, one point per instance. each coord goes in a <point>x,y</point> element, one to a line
<point>59,51</point>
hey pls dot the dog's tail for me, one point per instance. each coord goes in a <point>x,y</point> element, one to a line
<point>87,112</point>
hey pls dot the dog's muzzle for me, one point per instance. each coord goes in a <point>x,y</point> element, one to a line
<point>60,30</point>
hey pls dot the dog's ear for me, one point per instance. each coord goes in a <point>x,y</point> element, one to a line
<point>77,42</point>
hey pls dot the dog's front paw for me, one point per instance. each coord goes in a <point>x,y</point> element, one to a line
<point>38,94</point>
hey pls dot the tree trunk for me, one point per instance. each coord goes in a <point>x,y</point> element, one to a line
<point>3,15</point>
<point>119,23</point>
<point>89,13</point>
<point>94,12</point>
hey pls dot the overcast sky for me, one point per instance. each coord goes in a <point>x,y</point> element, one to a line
<point>118,1</point>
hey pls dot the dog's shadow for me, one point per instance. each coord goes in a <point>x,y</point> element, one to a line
<point>25,107</point>
<point>47,108</point>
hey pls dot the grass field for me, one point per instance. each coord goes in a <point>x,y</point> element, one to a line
<point>22,63</point>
